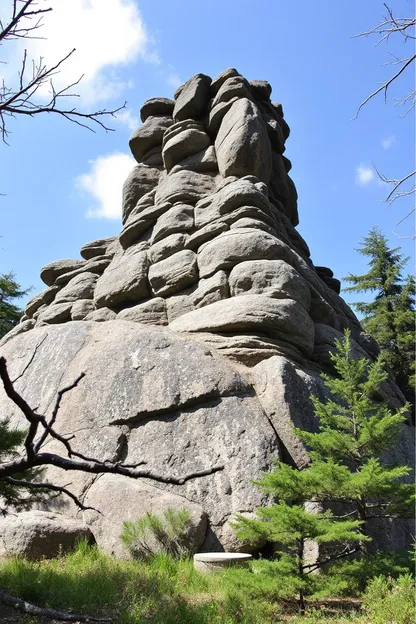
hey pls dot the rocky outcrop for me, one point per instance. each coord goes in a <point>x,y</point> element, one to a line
<point>202,327</point>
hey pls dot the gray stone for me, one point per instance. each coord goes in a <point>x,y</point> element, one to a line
<point>242,144</point>
<point>139,222</point>
<point>81,309</point>
<point>274,278</point>
<point>79,287</point>
<point>34,304</point>
<point>205,234</point>
<point>95,265</point>
<point>96,248</point>
<point>153,157</point>
<point>211,289</point>
<point>110,493</point>
<point>203,161</point>
<point>180,218</point>
<point>125,280</point>
<point>174,273</point>
<point>176,305</point>
<point>101,315</point>
<point>148,136</point>
<point>156,106</point>
<point>180,145</point>
<point>21,328</point>
<point>184,186</point>
<point>275,135</point>
<point>141,180</point>
<point>51,271</point>
<point>56,313</point>
<point>221,78</point>
<point>234,195</point>
<point>193,98</point>
<point>284,391</point>
<point>37,534</point>
<point>217,114</point>
<point>49,294</point>
<point>250,222</point>
<point>234,246</point>
<point>282,319</point>
<point>234,87</point>
<point>152,312</point>
<point>261,89</point>
<point>167,246</point>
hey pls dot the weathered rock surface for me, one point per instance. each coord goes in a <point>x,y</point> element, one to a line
<point>180,408</point>
<point>141,180</point>
<point>124,281</point>
<point>109,493</point>
<point>37,534</point>
<point>242,144</point>
<point>156,107</point>
<point>51,271</point>
<point>202,328</point>
<point>192,99</point>
<point>174,273</point>
<point>148,136</point>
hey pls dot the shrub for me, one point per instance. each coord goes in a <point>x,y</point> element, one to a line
<point>150,534</point>
<point>390,601</point>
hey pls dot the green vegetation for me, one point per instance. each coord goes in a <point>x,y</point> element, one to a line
<point>390,317</point>
<point>10,313</point>
<point>389,600</point>
<point>346,469</point>
<point>163,590</point>
<point>151,533</point>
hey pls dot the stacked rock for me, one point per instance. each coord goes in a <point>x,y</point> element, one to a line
<point>209,214</point>
<point>208,264</point>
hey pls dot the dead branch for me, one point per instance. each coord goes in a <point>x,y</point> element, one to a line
<point>21,99</point>
<point>75,461</point>
<point>391,25</point>
<point>30,609</point>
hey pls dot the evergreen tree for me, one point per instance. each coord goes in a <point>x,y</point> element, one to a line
<point>10,313</point>
<point>345,471</point>
<point>390,317</point>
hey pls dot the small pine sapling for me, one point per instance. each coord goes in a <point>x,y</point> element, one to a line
<point>345,467</point>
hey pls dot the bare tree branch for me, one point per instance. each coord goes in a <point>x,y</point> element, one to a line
<point>30,609</point>
<point>34,458</point>
<point>405,27</point>
<point>22,98</point>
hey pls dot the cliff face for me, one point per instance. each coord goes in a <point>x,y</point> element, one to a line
<point>202,328</point>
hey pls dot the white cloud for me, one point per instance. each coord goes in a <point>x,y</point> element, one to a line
<point>104,182</point>
<point>364,175</point>
<point>107,34</point>
<point>173,80</point>
<point>388,142</point>
<point>126,117</point>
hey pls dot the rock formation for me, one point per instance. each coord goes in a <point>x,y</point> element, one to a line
<point>202,328</point>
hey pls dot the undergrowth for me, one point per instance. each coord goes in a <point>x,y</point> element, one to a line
<point>159,591</point>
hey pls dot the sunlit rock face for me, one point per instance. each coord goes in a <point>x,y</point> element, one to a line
<point>202,327</point>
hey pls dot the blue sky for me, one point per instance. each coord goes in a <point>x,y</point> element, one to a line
<point>62,184</point>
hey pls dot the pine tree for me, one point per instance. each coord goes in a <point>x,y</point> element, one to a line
<point>9,312</point>
<point>345,471</point>
<point>390,317</point>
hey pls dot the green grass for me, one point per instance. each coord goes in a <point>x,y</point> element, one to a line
<point>159,591</point>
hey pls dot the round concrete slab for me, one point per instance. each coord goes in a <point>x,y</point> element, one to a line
<point>214,561</point>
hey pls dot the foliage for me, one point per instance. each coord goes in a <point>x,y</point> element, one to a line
<point>151,533</point>
<point>10,313</point>
<point>158,590</point>
<point>390,317</point>
<point>388,600</point>
<point>12,494</point>
<point>345,468</point>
